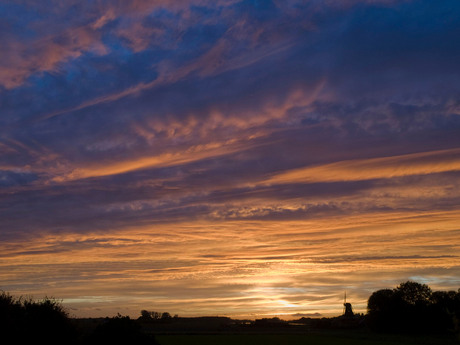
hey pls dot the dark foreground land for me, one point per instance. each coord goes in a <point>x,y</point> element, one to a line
<point>305,332</point>
<point>225,331</point>
<point>313,338</point>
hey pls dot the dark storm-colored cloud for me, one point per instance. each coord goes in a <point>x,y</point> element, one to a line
<point>341,45</point>
<point>15,178</point>
<point>83,206</point>
<point>234,91</point>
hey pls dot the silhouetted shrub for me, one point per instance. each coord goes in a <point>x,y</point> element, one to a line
<point>26,320</point>
<point>120,330</point>
<point>11,314</point>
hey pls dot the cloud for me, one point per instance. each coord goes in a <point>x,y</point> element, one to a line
<point>196,137</point>
<point>163,160</point>
<point>374,168</point>
<point>46,54</point>
<point>311,263</point>
<point>84,35</point>
<point>10,178</point>
<point>296,315</point>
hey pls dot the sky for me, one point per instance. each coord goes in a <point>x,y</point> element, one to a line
<point>228,157</point>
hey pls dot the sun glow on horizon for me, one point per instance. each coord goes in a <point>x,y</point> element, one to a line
<point>270,267</point>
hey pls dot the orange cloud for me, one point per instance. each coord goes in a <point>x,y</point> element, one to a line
<point>46,54</point>
<point>231,267</point>
<point>192,154</point>
<point>373,168</point>
<point>21,60</point>
<point>202,138</point>
<point>212,62</point>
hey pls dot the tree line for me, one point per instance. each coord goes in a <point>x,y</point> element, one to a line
<point>147,315</point>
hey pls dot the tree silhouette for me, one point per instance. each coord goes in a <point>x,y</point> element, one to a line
<point>413,307</point>
<point>414,293</point>
<point>120,330</point>
<point>155,316</point>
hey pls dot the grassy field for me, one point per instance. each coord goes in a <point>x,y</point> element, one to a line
<point>301,339</point>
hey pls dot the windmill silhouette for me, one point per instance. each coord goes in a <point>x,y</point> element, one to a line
<point>347,309</point>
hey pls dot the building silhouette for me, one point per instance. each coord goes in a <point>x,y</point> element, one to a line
<point>347,308</point>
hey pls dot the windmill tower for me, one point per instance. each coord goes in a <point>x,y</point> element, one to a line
<point>347,309</point>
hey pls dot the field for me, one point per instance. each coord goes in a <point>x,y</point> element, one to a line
<point>326,338</point>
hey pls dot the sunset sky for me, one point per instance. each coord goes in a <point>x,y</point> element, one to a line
<point>228,157</point>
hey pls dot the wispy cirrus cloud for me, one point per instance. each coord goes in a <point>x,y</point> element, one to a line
<point>261,265</point>
<point>374,168</point>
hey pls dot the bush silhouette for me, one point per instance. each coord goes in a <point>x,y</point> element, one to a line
<point>26,320</point>
<point>120,330</point>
